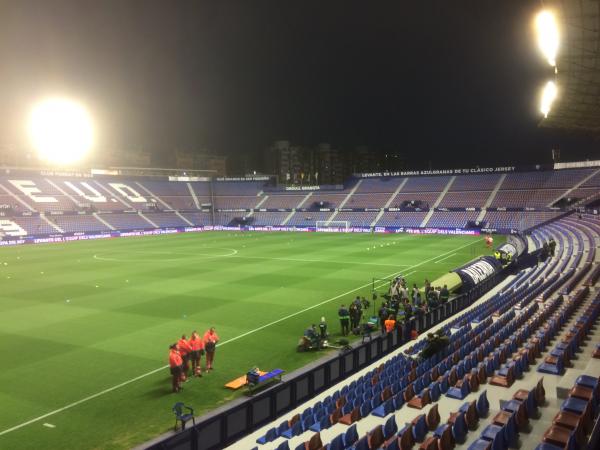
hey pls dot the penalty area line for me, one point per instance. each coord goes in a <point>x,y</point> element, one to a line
<point>152,372</point>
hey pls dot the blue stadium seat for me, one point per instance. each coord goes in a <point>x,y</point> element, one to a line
<point>492,431</point>
<point>434,391</point>
<point>483,405</point>
<point>365,408</point>
<point>283,446</point>
<point>362,444</point>
<point>587,381</point>
<point>351,436</point>
<point>511,435</point>
<point>337,443</point>
<point>459,393</point>
<point>444,386</point>
<point>269,436</point>
<point>295,430</point>
<point>575,405</point>
<point>440,430</point>
<point>384,408</point>
<point>480,444</point>
<point>398,401</point>
<point>393,444</point>
<point>390,427</point>
<point>282,427</point>
<point>420,429</point>
<point>375,402</point>
<point>347,408</point>
<point>546,446</point>
<point>322,424</point>
<point>306,423</point>
<point>553,369</point>
<point>459,429</point>
<point>307,412</point>
<point>530,404</point>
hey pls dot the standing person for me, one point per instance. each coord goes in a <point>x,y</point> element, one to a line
<point>344,316</point>
<point>365,305</point>
<point>403,293</point>
<point>390,324</point>
<point>352,311</point>
<point>382,313</point>
<point>413,291</point>
<point>417,299</point>
<point>185,351</point>
<point>197,349</point>
<point>552,246</point>
<point>408,310</point>
<point>359,307</point>
<point>414,334</point>
<point>323,329</point>
<point>175,365</point>
<point>427,288</point>
<point>210,345</point>
<point>444,294</point>
<point>432,298</point>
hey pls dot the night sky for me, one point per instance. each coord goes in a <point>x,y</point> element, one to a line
<point>452,82</point>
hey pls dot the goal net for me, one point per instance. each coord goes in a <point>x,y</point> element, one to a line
<point>333,225</point>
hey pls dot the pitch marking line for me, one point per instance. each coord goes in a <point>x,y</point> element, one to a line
<point>152,372</point>
<point>233,254</point>
<point>320,261</point>
<point>445,257</point>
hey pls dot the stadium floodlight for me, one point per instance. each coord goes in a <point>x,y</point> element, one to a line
<point>61,130</point>
<point>547,36</point>
<point>548,97</point>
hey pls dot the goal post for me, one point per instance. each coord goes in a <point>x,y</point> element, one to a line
<point>333,225</point>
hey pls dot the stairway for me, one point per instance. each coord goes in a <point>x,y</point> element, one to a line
<point>437,202</point>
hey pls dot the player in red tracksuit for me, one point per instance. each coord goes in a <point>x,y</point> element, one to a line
<point>210,344</point>
<point>175,365</point>
<point>197,349</point>
<point>185,350</point>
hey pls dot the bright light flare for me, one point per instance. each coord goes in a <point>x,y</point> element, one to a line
<point>61,130</point>
<point>547,35</point>
<point>548,97</point>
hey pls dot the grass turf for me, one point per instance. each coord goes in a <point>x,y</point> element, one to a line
<point>80,318</point>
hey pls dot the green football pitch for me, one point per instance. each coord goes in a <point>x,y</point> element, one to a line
<point>85,326</point>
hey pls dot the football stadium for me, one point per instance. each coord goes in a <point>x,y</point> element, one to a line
<point>317,298</point>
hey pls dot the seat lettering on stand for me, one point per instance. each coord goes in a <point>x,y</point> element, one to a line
<point>95,197</point>
<point>127,191</point>
<point>29,188</point>
<point>10,228</point>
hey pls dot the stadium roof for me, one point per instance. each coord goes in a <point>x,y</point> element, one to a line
<point>578,104</point>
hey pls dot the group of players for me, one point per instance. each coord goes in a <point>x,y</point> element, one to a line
<point>191,350</point>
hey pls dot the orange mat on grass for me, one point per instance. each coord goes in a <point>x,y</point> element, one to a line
<point>240,382</point>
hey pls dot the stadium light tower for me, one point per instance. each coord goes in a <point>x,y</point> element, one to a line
<point>548,36</point>
<point>548,97</point>
<point>61,130</point>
